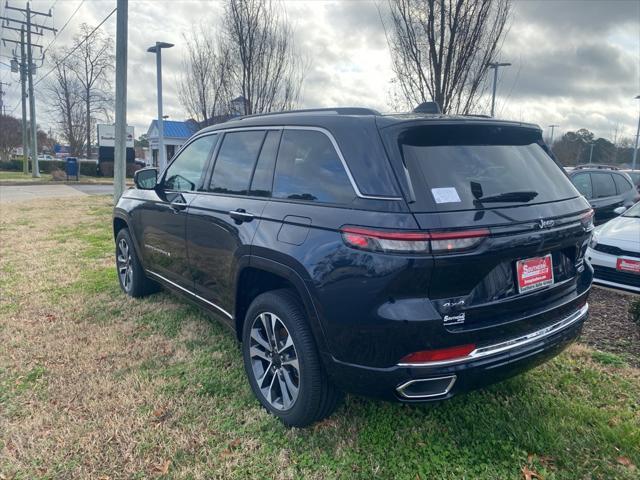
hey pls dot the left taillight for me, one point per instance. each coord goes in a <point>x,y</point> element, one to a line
<point>412,242</point>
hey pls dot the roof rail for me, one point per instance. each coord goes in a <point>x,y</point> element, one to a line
<point>596,167</point>
<point>334,111</point>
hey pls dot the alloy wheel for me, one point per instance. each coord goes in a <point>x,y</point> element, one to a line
<point>274,361</point>
<point>125,267</point>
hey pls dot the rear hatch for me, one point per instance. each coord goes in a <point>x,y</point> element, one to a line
<point>530,224</point>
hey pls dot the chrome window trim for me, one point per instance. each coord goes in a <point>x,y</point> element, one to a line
<point>333,141</point>
<point>401,388</point>
<point>511,344</point>
<point>164,279</point>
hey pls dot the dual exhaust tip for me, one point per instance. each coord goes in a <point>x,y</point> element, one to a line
<point>424,388</point>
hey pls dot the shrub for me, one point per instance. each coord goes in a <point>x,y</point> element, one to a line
<point>634,311</point>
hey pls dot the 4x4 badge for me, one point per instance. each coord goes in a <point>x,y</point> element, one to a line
<point>454,319</point>
<point>546,223</point>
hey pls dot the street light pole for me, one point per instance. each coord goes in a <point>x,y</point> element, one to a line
<point>591,152</point>
<point>635,149</point>
<point>157,49</point>
<point>120,150</point>
<point>495,66</point>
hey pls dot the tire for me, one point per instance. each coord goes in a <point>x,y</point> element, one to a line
<point>315,398</point>
<point>131,276</point>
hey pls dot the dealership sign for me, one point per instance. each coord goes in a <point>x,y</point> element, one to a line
<point>107,136</point>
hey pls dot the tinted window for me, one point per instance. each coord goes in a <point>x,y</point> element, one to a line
<point>308,168</point>
<point>582,182</point>
<point>465,167</point>
<point>234,164</point>
<point>185,171</point>
<point>622,184</point>
<point>263,173</point>
<point>603,185</point>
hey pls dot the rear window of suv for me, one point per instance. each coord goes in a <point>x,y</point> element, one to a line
<point>463,167</point>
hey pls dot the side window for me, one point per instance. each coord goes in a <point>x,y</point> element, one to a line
<point>603,185</point>
<point>235,161</point>
<point>308,168</point>
<point>622,184</point>
<point>185,171</point>
<point>582,182</point>
<point>263,173</point>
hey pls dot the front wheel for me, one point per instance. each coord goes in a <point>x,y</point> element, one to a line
<point>131,276</point>
<point>282,362</point>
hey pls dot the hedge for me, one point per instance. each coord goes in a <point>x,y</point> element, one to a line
<point>87,169</point>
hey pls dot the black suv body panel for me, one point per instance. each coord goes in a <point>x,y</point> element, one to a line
<point>369,309</point>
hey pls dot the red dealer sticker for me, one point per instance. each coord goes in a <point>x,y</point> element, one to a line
<point>534,273</point>
<point>626,265</point>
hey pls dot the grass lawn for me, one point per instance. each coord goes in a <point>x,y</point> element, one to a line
<point>95,385</point>
<point>9,177</point>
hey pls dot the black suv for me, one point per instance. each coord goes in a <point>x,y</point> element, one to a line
<point>606,188</point>
<point>409,257</point>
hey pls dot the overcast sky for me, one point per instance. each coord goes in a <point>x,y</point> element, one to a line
<point>576,63</point>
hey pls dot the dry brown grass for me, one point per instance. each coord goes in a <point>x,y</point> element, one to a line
<point>95,385</point>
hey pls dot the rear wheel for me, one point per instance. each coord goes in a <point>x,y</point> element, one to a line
<point>282,362</point>
<point>131,276</point>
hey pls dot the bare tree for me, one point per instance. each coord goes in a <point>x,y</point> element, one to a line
<point>92,63</point>
<point>441,49</point>
<point>204,91</point>
<point>66,103</point>
<point>265,68</point>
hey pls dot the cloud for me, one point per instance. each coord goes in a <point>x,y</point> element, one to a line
<point>575,63</point>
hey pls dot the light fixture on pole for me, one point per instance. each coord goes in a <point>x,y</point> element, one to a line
<point>635,150</point>
<point>157,49</point>
<point>495,66</point>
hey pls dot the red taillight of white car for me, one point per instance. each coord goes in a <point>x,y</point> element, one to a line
<point>412,242</point>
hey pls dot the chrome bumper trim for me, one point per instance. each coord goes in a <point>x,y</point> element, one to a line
<point>507,345</point>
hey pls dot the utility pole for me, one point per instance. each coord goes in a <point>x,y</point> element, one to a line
<point>552,127</point>
<point>120,151</point>
<point>3,110</point>
<point>635,149</point>
<point>495,66</point>
<point>23,100</point>
<point>591,152</point>
<point>33,28</point>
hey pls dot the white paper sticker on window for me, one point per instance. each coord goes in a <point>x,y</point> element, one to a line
<point>445,195</point>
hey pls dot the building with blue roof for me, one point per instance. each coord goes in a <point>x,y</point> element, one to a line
<point>175,135</point>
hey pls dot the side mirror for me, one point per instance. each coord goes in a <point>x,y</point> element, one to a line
<point>146,178</point>
<point>619,210</point>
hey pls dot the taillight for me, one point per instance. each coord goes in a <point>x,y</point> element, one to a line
<point>412,242</point>
<point>441,354</point>
<point>587,220</point>
<point>381,241</point>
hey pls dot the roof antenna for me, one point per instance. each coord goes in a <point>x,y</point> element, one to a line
<point>428,107</point>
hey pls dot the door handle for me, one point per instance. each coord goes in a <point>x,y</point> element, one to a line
<point>240,215</point>
<point>178,206</point>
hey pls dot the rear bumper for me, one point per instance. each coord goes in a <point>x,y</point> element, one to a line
<point>441,380</point>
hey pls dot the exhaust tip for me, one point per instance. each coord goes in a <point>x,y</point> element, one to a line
<point>426,387</point>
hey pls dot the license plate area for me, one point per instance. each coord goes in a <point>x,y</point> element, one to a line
<point>534,273</point>
<point>628,266</point>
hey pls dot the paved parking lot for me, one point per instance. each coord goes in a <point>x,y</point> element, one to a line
<point>29,192</point>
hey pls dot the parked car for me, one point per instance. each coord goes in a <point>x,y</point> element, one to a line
<point>408,257</point>
<point>635,177</point>
<point>614,251</point>
<point>45,157</point>
<point>606,188</point>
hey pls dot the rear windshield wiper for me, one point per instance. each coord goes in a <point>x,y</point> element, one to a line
<point>520,196</point>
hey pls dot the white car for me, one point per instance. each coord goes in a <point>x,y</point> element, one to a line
<point>614,251</point>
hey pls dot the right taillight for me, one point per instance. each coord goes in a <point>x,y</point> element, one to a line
<point>412,242</point>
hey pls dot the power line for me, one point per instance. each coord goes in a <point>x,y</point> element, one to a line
<point>63,27</point>
<point>76,47</point>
